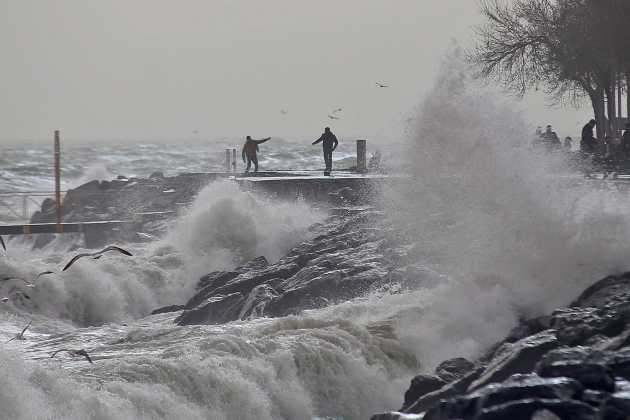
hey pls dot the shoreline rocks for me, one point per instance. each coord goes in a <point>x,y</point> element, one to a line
<point>574,364</point>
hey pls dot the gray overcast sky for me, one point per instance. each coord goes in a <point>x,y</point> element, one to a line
<point>159,70</point>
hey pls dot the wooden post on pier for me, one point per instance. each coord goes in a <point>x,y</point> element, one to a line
<point>234,161</point>
<point>58,182</point>
<point>361,152</point>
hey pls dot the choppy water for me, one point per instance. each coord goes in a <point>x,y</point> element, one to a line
<point>492,233</point>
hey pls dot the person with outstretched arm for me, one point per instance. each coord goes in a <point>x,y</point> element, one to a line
<point>329,141</point>
<point>249,150</point>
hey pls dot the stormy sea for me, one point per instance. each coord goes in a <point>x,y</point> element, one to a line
<point>471,233</point>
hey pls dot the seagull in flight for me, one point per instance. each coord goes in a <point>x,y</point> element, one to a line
<point>28,283</point>
<point>24,295</point>
<point>96,255</point>
<point>20,336</point>
<point>381,85</point>
<point>75,353</point>
<point>337,110</point>
<point>283,111</point>
<point>332,118</point>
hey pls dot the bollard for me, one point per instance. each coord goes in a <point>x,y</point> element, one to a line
<point>227,161</point>
<point>361,164</point>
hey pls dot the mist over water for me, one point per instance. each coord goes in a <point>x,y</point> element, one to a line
<point>498,231</point>
<point>483,232</point>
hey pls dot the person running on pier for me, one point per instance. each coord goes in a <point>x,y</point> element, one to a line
<point>329,141</point>
<point>249,150</point>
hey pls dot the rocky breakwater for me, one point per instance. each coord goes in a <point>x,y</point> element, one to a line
<point>574,364</point>
<point>346,259</point>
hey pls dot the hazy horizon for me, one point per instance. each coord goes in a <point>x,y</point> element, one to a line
<point>169,71</point>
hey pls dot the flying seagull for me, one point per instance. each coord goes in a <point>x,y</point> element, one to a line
<point>28,283</point>
<point>24,295</point>
<point>96,255</point>
<point>381,85</point>
<point>332,118</point>
<point>283,111</point>
<point>74,353</point>
<point>20,336</point>
<point>337,110</point>
<point>2,243</point>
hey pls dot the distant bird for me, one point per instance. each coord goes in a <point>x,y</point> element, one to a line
<point>28,283</point>
<point>381,85</point>
<point>96,255</point>
<point>24,295</point>
<point>74,353</point>
<point>195,132</point>
<point>332,118</point>
<point>20,336</point>
<point>2,243</point>
<point>337,110</point>
<point>284,112</point>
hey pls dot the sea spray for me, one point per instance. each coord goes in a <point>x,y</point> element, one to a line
<point>226,227</point>
<point>498,231</point>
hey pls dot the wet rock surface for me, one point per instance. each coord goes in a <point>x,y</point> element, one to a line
<point>574,364</point>
<point>346,259</point>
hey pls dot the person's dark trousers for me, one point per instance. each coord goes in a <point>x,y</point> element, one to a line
<point>328,159</point>
<point>251,157</point>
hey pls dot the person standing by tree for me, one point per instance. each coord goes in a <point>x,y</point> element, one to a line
<point>587,145</point>
<point>249,150</point>
<point>329,141</point>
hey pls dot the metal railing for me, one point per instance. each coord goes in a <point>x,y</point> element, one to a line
<point>221,161</point>
<point>20,206</point>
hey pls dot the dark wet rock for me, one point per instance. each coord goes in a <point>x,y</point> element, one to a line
<point>421,385</point>
<point>528,327</point>
<point>576,325</point>
<point>615,407</point>
<point>256,264</point>
<point>395,415</point>
<point>582,366</point>
<point>333,286</point>
<point>601,293</point>
<point>157,175</point>
<point>524,409</point>
<point>517,387</point>
<point>215,280</point>
<point>166,309</point>
<point>594,397</point>
<point>519,357</point>
<point>453,389</point>
<point>453,369</point>
<point>591,375</point>
<point>215,310</point>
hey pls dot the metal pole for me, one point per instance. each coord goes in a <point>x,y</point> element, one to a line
<point>234,161</point>
<point>361,149</point>
<point>57,181</point>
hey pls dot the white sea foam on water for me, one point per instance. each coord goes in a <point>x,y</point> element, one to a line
<point>485,232</point>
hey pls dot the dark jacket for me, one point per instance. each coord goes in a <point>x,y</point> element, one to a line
<point>329,140</point>
<point>587,138</point>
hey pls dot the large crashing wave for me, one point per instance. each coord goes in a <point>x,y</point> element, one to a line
<point>499,232</point>
<point>223,228</point>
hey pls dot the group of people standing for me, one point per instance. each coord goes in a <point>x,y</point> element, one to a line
<point>610,151</point>
<point>328,140</point>
<point>549,140</point>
